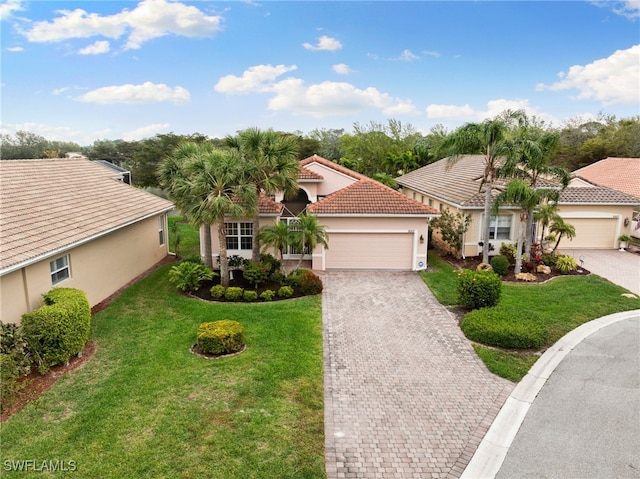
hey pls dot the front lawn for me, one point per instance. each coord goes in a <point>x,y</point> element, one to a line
<point>145,407</point>
<point>562,305</point>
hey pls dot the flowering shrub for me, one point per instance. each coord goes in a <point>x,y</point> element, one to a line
<point>478,289</point>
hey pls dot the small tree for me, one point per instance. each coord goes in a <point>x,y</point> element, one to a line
<point>278,236</point>
<point>561,228</point>
<point>452,228</point>
<point>309,233</point>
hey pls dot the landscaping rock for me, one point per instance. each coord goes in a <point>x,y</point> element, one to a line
<point>526,277</point>
<point>544,269</point>
<point>484,267</point>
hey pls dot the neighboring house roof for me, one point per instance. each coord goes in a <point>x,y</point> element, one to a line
<point>588,193</point>
<point>48,206</point>
<point>457,183</point>
<point>334,166</point>
<point>267,206</point>
<point>622,174</point>
<point>369,197</point>
<point>307,174</point>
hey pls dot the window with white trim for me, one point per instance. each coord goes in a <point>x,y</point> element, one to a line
<point>60,269</point>
<point>239,235</point>
<point>500,227</point>
<point>161,229</point>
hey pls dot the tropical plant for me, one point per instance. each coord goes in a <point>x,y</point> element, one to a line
<point>188,276</point>
<point>277,235</point>
<point>208,185</point>
<point>270,164</point>
<point>309,233</point>
<point>492,139</point>
<point>452,229</point>
<point>561,228</point>
<point>544,214</point>
<point>565,264</point>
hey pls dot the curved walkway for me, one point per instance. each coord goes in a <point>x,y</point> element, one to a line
<point>585,420</point>
<point>405,394</point>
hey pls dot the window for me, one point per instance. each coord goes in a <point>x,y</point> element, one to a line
<point>161,229</point>
<point>59,269</point>
<point>500,227</point>
<point>239,235</point>
<point>430,202</point>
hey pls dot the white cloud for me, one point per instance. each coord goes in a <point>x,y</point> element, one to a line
<point>333,98</point>
<point>431,53</point>
<point>449,111</point>
<point>408,56</point>
<point>99,47</point>
<point>145,132</point>
<point>15,49</point>
<point>148,92</point>
<point>342,69</point>
<point>60,91</point>
<point>324,43</point>
<point>626,8</point>
<point>611,80</point>
<point>10,6</point>
<point>148,20</point>
<point>256,79</point>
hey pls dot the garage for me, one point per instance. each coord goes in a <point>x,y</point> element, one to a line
<point>593,233</point>
<point>392,251</point>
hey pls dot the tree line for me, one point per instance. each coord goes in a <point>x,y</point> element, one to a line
<point>377,149</point>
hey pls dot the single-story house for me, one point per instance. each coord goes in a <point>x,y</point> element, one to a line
<point>599,214</point>
<point>369,225</point>
<point>620,174</point>
<point>71,222</point>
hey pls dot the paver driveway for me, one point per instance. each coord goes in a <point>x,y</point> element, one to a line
<point>405,394</point>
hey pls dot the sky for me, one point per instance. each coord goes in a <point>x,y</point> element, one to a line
<point>83,71</point>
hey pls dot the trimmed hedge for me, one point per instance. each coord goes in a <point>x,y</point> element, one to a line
<point>233,293</point>
<point>500,264</point>
<point>310,283</point>
<point>221,337</point>
<point>505,328</point>
<point>60,329</point>
<point>285,292</point>
<point>478,289</point>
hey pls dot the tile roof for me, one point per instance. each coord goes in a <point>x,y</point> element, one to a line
<point>307,174</point>
<point>334,166</point>
<point>596,194</point>
<point>457,183</point>
<point>268,206</point>
<point>622,174</point>
<point>369,197</point>
<point>47,205</point>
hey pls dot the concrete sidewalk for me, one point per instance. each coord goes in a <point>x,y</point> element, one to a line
<point>576,414</point>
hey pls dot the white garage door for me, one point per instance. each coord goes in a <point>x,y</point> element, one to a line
<point>596,233</point>
<point>369,251</point>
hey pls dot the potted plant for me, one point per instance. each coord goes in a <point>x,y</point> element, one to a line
<point>624,241</point>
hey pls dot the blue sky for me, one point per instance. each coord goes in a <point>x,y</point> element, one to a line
<point>87,70</point>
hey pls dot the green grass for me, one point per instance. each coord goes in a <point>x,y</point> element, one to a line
<point>189,237</point>
<point>145,407</point>
<point>562,305</point>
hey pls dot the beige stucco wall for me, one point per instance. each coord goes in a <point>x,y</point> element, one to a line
<point>215,244</point>
<point>333,180</point>
<point>99,268</point>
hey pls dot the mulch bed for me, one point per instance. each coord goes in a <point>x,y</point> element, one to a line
<point>238,281</point>
<point>473,262</point>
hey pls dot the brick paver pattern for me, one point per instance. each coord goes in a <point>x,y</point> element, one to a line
<point>405,394</point>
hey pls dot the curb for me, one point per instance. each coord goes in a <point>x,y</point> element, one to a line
<point>490,455</point>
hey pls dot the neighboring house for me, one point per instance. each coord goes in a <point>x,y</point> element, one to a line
<point>70,222</point>
<point>621,174</point>
<point>598,213</point>
<point>369,225</point>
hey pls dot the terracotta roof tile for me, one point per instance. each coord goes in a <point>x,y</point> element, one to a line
<point>269,206</point>
<point>307,174</point>
<point>334,166</point>
<point>368,197</point>
<point>622,174</point>
<point>47,205</point>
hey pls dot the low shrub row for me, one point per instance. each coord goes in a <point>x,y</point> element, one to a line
<point>234,293</point>
<point>505,328</point>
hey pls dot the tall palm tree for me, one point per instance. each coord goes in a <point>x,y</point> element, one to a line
<point>270,163</point>
<point>491,138</point>
<point>207,184</point>
<point>544,214</point>
<point>561,228</point>
<point>277,235</point>
<point>532,153</point>
<point>309,233</point>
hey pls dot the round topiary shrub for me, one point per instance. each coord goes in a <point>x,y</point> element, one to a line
<point>285,292</point>
<point>505,328</point>
<point>310,283</point>
<point>267,295</point>
<point>478,289</point>
<point>500,264</point>
<point>250,295</point>
<point>221,337</point>
<point>234,293</point>
<point>217,291</point>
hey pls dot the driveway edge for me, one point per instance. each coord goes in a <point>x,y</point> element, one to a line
<point>490,455</point>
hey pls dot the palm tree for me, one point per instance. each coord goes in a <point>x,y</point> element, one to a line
<point>490,138</point>
<point>544,214</point>
<point>270,163</point>
<point>277,235</point>
<point>533,150</point>
<point>206,183</point>
<point>561,228</point>
<point>309,233</point>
